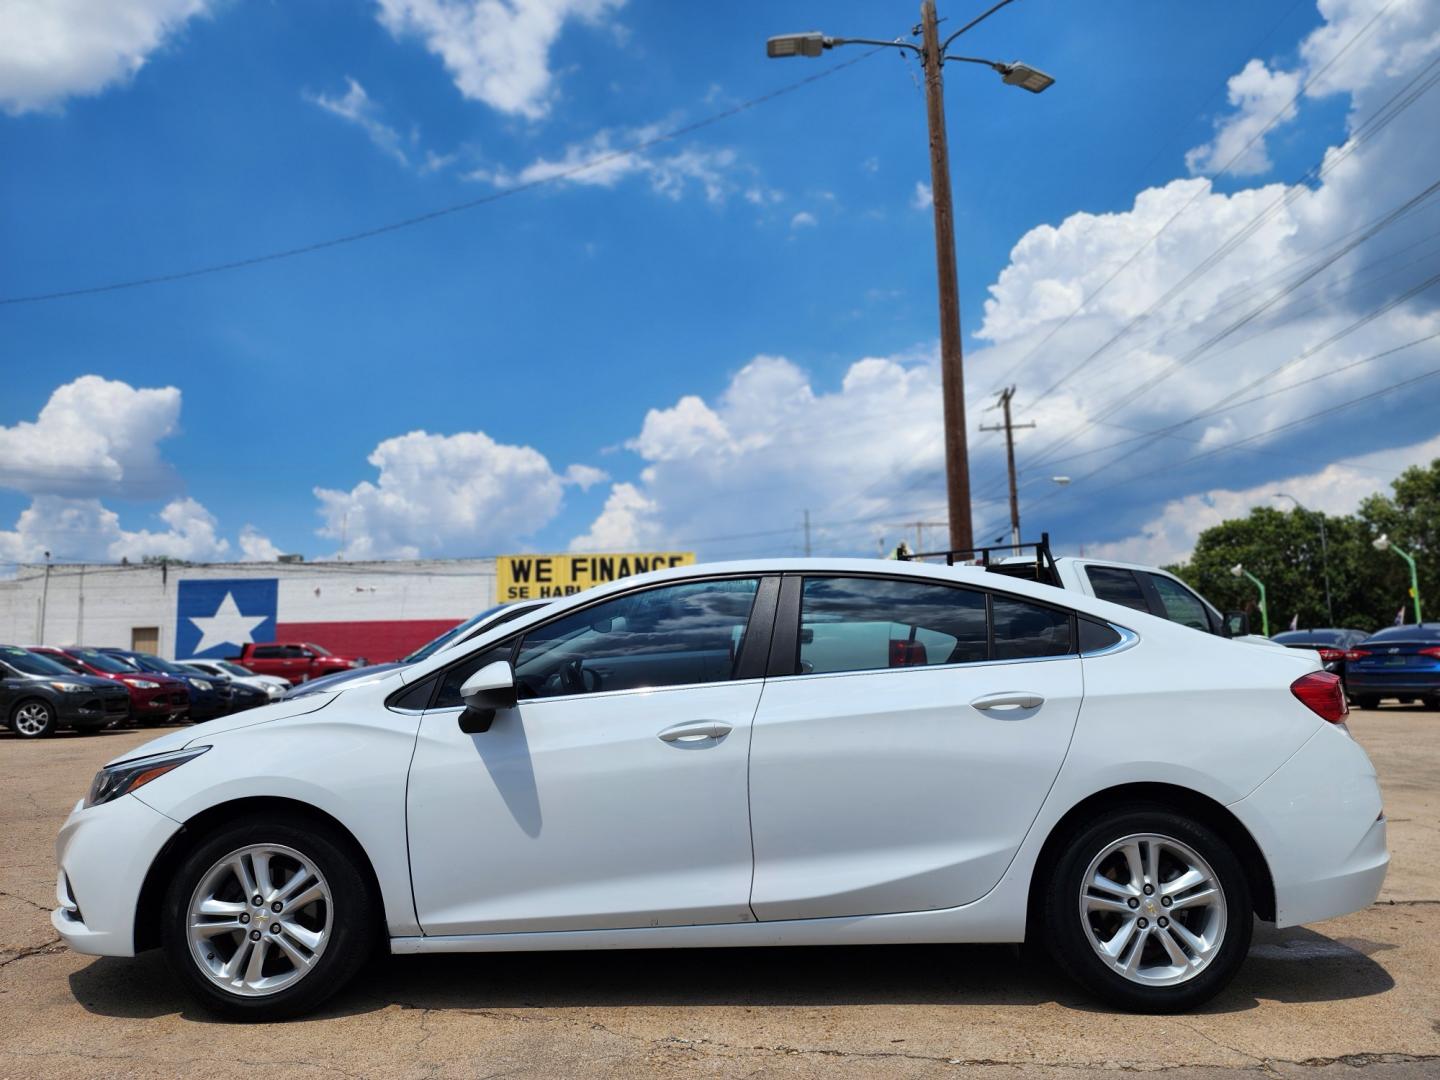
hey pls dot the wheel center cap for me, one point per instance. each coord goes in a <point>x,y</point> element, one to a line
<point>1150,906</point>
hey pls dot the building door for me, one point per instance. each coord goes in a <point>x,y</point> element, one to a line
<point>145,639</point>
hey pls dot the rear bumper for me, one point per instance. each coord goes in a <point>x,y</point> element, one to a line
<point>1318,822</point>
<point>103,854</point>
<point>1402,682</point>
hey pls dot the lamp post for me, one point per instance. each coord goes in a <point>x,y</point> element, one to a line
<point>1383,543</point>
<point>934,54</point>
<point>1324,550</point>
<point>1239,571</point>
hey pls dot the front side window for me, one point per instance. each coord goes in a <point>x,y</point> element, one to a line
<point>864,624</point>
<point>676,635</point>
<point>1181,605</point>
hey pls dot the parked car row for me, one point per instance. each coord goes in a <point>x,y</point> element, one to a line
<point>1399,662</point>
<point>44,689</point>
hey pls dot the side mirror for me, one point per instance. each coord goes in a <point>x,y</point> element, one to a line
<point>1237,624</point>
<point>489,689</point>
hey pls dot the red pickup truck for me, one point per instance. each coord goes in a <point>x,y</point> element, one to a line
<point>297,661</point>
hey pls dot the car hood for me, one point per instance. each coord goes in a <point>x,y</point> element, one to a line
<point>183,737</point>
<point>83,680</point>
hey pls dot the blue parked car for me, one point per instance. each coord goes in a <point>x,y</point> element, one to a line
<point>1400,662</point>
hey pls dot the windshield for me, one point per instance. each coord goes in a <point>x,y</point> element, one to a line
<point>436,644</point>
<point>111,665</point>
<point>317,649</point>
<point>30,664</point>
<point>234,669</point>
<point>154,663</point>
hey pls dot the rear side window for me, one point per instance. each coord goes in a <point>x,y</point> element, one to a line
<point>267,652</point>
<point>1025,631</point>
<point>864,624</point>
<point>1117,585</point>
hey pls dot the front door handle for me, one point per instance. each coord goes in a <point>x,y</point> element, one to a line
<point>1009,699</point>
<point>692,731</point>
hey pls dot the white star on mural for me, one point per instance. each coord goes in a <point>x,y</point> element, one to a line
<point>226,627</point>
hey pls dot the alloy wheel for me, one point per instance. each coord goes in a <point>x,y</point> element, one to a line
<point>32,719</point>
<point>1152,909</point>
<point>259,919</point>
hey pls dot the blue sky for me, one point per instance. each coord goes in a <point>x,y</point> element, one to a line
<point>572,324</point>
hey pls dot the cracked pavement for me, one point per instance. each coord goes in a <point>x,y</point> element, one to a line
<point>1357,993</point>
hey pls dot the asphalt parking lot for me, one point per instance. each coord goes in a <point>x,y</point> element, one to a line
<point>1361,992</point>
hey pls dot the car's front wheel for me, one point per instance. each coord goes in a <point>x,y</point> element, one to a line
<point>265,918</point>
<point>33,719</point>
<point>1148,909</point>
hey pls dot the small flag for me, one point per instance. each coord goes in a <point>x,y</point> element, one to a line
<point>1295,621</point>
<point>1400,616</point>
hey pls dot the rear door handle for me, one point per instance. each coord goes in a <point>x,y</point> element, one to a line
<point>692,731</point>
<point>1009,699</point>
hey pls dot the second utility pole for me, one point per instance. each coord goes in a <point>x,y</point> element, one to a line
<point>1009,428</point>
<point>952,375</point>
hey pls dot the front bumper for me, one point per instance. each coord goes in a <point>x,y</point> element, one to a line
<point>92,710</point>
<point>1319,823</point>
<point>103,854</point>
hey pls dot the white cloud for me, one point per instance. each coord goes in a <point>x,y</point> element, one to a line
<point>604,160</point>
<point>1261,98</point>
<point>497,51</point>
<point>75,530</point>
<point>804,220</point>
<point>923,198</point>
<point>51,50</point>
<point>1338,488</point>
<point>462,494</point>
<point>355,106</point>
<point>585,476</point>
<point>626,523</point>
<point>94,436</point>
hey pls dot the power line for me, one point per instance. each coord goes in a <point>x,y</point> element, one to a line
<point>444,211</point>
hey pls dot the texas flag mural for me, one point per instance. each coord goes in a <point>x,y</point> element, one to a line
<point>215,617</point>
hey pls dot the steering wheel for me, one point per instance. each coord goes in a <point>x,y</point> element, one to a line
<point>578,679</point>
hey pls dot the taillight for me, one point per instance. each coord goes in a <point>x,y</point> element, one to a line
<point>1357,654</point>
<point>1430,650</point>
<point>1322,694</point>
<point>1329,656</point>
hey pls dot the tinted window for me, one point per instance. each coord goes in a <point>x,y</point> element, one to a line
<point>1411,632</point>
<point>670,636</point>
<point>1095,636</point>
<point>67,662</point>
<point>1024,630</point>
<point>418,696</point>
<point>291,652</point>
<point>268,652</point>
<point>1117,585</point>
<point>863,624</point>
<point>1181,605</point>
<point>111,665</point>
<point>31,664</point>
<point>1312,637</point>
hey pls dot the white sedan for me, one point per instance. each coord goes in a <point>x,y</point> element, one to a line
<point>804,752</point>
<point>273,685</point>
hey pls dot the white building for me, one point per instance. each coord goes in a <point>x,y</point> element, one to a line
<point>378,610</point>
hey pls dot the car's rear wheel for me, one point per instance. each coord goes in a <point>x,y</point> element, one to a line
<point>1148,909</point>
<point>265,920</point>
<point>1368,701</point>
<point>33,719</point>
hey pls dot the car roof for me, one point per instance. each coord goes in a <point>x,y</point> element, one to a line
<point>1424,631</point>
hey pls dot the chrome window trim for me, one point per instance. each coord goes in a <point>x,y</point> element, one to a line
<point>929,667</point>
<point>1128,638</point>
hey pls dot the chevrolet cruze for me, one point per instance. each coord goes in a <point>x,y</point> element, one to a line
<point>797,752</point>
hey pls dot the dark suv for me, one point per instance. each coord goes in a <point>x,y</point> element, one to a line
<point>39,696</point>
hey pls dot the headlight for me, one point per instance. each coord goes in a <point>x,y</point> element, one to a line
<point>69,687</point>
<point>126,776</point>
<point>201,684</point>
<point>144,684</point>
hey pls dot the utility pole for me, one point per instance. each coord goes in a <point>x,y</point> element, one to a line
<point>807,534</point>
<point>933,55</point>
<point>1009,428</point>
<point>919,527</point>
<point>44,597</point>
<point>952,368</point>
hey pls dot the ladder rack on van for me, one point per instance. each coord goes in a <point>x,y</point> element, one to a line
<point>1042,569</point>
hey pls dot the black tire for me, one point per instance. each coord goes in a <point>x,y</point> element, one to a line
<point>1432,701</point>
<point>1067,936</point>
<point>30,712</point>
<point>1367,701</point>
<point>90,727</point>
<point>353,922</point>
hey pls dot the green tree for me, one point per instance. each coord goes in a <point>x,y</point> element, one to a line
<point>1411,518</point>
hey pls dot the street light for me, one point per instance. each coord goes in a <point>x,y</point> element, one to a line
<point>1239,571</point>
<point>934,54</point>
<point>1324,550</point>
<point>1384,543</point>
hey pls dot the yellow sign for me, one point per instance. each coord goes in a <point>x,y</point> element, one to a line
<point>536,577</point>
